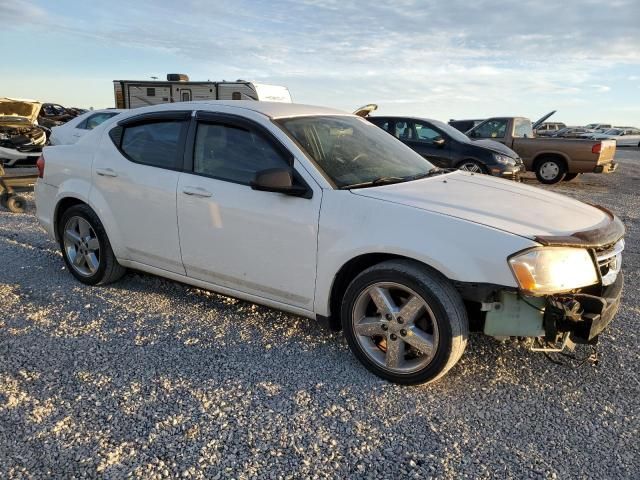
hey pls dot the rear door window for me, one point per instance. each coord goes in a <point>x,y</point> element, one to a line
<point>404,130</point>
<point>382,123</point>
<point>157,143</point>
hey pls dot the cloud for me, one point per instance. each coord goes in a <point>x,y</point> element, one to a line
<point>399,52</point>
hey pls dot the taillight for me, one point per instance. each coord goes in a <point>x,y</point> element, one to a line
<point>596,148</point>
<point>40,165</point>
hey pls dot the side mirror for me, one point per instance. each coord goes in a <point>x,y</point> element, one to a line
<point>439,142</point>
<point>279,180</point>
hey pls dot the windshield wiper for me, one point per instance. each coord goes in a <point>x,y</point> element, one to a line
<point>389,180</point>
<point>375,182</point>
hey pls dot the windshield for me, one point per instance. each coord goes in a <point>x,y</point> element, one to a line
<point>613,131</point>
<point>451,131</point>
<point>354,152</point>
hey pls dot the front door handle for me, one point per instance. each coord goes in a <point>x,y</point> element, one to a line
<point>196,192</point>
<point>106,172</point>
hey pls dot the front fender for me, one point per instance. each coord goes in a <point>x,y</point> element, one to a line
<point>459,249</point>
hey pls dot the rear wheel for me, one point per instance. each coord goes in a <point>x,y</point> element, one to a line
<point>550,170</point>
<point>570,176</point>
<point>405,322</point>
<point>86,248</point>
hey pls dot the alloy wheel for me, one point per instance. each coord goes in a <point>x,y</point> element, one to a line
<point>81,246</point>
<point>471,167</point>
<point>395,327</point>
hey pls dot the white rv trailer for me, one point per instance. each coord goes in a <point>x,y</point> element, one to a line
<point>178,88</point>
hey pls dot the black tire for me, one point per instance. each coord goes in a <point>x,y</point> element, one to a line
<point>3,199</point>
<point>440,296</point>
<point>570,176</point>
<point>547,165</point>
<point>475,163</point>
<point>16,203</point>
<point>109,270</point>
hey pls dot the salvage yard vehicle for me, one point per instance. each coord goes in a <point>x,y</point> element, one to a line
<point>552,159</point>
<point>572,132</point>
<point>178,88</point>
<point>53,115</point>
<point>548,129</point>
<point>599,126</point>
<point>9,182</point>
<point>21,139</point>
<point>624,136</point>
<point>76,128</point>
<point>446,147</point>
<point>323,214</point>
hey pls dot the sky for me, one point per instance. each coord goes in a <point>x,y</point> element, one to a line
<point>428,58</point>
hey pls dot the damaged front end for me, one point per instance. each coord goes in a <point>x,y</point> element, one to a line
<point>558,319</point>
<point>21,139</point>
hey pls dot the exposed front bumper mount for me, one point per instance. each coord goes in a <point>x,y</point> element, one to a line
<point>582,315</point>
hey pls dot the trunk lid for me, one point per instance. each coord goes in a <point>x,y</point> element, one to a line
<point>366,110</point>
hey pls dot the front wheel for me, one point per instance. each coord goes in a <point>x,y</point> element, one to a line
<point>85,247</point>
<point>550,171</point>
<point>405,322</point>
<point>472,166</point>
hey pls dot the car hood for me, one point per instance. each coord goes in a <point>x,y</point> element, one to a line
<point>519,209</point>
<point>13,107</point>
<point>496,147</point>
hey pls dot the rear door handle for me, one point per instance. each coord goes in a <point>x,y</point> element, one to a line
<point>106,172</point>
<point>197,192</point>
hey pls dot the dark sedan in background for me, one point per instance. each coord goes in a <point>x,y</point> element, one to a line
<point>447,147</point>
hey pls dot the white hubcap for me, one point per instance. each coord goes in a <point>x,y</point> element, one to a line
<point>549,170</point>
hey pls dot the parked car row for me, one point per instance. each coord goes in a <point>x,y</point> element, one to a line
<point>446,147</point>
<point>624,136</point>
<point>327,215</point>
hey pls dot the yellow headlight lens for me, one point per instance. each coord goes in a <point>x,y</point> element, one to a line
<point>548,270</point>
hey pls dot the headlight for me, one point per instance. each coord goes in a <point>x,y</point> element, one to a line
<point>548,270</point>
<point>503,159</point>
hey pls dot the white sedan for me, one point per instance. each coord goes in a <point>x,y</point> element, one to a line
<point>77,127</point>
<point>323,214</point>
<point>624,137</point>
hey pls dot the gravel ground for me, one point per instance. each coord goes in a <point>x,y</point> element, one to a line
<point>150,378</point>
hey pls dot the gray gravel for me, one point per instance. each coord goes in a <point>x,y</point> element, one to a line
<point>150,378</point>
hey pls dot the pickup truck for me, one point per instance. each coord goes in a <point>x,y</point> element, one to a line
<point>552,159</point>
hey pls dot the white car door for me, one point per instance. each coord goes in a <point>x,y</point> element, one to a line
<point>135,175</point>
<point>256,242</point>
<point>631,138</point>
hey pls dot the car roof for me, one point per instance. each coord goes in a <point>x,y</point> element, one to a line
<point>400,117</point>
<point>269,109</point>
